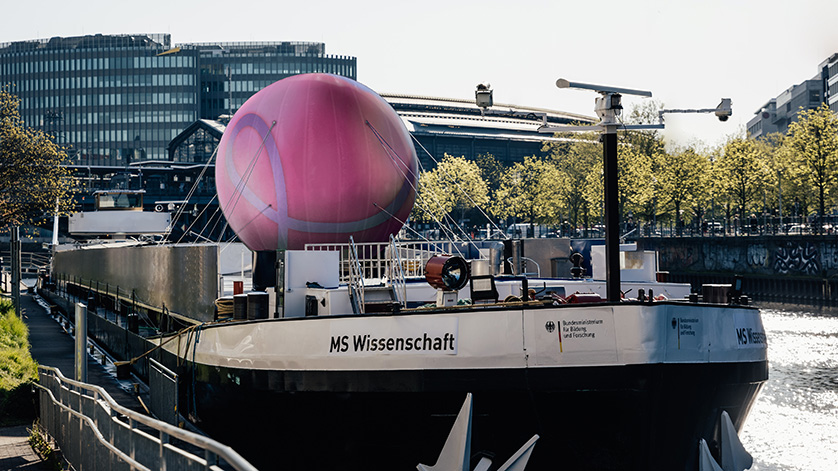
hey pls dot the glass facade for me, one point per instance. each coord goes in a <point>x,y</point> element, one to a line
<point>230,73</point>
<point>112,100</point>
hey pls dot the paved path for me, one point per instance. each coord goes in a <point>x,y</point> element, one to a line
<point>15,452</point>
<point>50,345</point>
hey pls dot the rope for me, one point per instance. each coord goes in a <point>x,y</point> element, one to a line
<point>391,152</point>
<point>225,307</point>
<point>186,330</point>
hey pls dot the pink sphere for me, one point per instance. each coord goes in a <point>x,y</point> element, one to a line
<point>315,158</point>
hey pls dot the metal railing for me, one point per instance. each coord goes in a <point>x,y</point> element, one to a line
<point>356,279</point>
<point>96,433</point>
<point>374,258</point>
<point>30,262</point>
<point>396,273</point>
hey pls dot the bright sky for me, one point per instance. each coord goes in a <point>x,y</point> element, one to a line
<point>688,53</point>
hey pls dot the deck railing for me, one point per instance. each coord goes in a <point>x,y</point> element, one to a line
<point>376,258</point>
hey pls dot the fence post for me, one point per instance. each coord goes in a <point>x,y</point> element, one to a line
<point>164,439</point>
<point>81,342</point>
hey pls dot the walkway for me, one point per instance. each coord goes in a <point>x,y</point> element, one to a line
<point>15,452</point>
<point>52,346</point>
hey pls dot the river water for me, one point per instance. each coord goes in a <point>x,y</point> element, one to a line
<point>794,423</point>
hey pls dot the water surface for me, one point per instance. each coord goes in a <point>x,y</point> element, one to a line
<point>794,423</point>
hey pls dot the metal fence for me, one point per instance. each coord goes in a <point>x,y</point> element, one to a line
<point>734,227</point>
<point>96,433</point>
<point>30,262</point>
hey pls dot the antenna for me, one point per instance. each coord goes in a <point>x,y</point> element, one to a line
<point>608,107</point>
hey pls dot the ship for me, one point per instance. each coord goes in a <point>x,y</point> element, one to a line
<point>358,355</point>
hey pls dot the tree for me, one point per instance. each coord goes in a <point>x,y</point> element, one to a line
<point>575,158</point>
<point>528,191</point>
<point>682,179</point>
<point>454,185</point>
<point>742,172</point>
<point>813,141</point>
<point>491,170</point>
<point>635,183</point>
<point>647,142</point>
<point>32,178</point>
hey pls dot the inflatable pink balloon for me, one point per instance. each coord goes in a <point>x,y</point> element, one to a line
<point>315,158</point>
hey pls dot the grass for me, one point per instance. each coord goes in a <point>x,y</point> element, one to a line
<point>41,443</point>
<point>17,369</point>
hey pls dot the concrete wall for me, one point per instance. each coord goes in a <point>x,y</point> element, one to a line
<point>777,269</point>
<point>814,256</point>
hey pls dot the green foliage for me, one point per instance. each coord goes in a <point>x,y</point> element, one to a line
<point>529,191</point>
<point>491,170</point>
<point>41,443</point>
<point>635,183</point>
<point>17,368</point>
<point>32,177</point>
<point>812,146</point>
<point>683,181</point>
<point>454,185</point>
<point>575,159</point>
<point>648,142</point>
<point>742,173</point>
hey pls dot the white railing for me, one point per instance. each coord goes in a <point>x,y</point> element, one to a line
<point>374,258</point>
<point>397,273</point>
<point>356,279</point>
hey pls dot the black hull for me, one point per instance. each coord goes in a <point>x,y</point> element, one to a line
<point>639,417</point>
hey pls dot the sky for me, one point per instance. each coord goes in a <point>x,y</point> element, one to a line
<point>688,53</point>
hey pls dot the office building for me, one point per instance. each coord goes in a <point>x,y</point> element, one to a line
<point>113,100</point>
<point>780,112</point>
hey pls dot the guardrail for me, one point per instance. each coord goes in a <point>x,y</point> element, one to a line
<point>96,433</point>
<point>30,262</point>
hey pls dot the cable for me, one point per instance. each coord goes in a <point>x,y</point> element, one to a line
<point>488,218</point>
<point>239,190</point>
<point>189,196</point>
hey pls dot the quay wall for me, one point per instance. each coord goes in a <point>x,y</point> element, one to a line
<point>790,269</point>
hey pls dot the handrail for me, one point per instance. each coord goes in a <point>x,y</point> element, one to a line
<point>397,273</point>
<point>356,279</point>
<point>537,266</point>
<point>127,297</point>
<point>223,451</point>
<point>124,457</point>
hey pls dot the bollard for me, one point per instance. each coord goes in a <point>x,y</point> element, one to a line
<point>81,342</point>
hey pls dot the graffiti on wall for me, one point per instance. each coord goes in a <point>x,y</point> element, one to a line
<point>797,258</point>
<point>721,258</point>
<point>676,256</point>
<point>829,257</point>
<point>757,255</point>
<point>765,256</point>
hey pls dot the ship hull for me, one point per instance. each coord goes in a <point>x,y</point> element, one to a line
<point>636,389</point>
<point>608,417</point>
